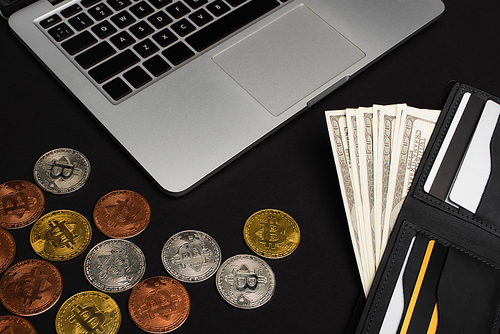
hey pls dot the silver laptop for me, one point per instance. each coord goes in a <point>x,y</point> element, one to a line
<point>187,86</point>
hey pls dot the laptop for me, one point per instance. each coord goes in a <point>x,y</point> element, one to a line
<point>187,86</point>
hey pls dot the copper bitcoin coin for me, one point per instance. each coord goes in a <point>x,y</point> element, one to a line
<point>122,214</point>
<point>16,325</point>
<point>159,304</point>
<point>30,287</point>
<point>7,249</point>
<point>21,203</point>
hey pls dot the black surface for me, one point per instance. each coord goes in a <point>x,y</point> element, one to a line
<point>292,170</point>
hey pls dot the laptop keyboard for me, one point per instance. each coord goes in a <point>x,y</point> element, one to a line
<point>124,46</point>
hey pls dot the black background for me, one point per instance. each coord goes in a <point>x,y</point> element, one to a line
<point>292,170</point>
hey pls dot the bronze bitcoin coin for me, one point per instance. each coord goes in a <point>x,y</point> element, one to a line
<point>7,249</point>
<point>21,203</point>
<point>91,312</point>
<point>159,304</point>
<point>16,325</point>
<point>272,234</point>
<point>122,214</point>
<point>60,235</point>
<point>30,287</point>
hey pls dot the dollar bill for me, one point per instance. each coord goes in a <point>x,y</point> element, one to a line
<point>337,130</point>
<point>415,129</point>
<point>385,122</point>
<point>364,223</point>
<point>365,131</point>
<point>377,151</point>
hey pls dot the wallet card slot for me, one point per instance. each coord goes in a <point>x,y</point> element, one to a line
<point>446,288</point>
<point>476,166</point>
<point>489,208</point>
<point>468,295</point>
<point>487,212</point>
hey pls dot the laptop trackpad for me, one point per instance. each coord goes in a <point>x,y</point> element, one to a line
<point>288,59</point>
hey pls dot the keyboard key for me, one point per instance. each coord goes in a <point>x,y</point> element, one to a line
<point>117,89</point>
<point>100,12</point>
<point>159,3</point>
<point>88,3</point>
<point>229,23</point>
<point>165,37</point>
<point>60,32</point>
<point>71,10</point>
<point>123,19</point>
<point>94,55</point>
<point>178,53</point>
<point>196,3</point>
<point>122,40</point>
<point>218,7</point>
<point>142,9</point>
<point>119,4</point>
<point>104,29</point>
<point>156,66</point>
<point>178,9</point>
<point>137,77</point>
<point>141,29</point>
<point>159,20</point>
<point>183,27</point>
<point>81,21</point>
<point>50,21</point>
<point>79,42</point>
<point>235,3</point>
<point>146,48</point>
<point>201,17</point>
<point>114,66</point>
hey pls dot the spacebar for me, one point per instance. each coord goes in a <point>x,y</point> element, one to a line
<point>230,23</point>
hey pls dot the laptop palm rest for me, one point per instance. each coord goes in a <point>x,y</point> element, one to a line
<point>288,59</point>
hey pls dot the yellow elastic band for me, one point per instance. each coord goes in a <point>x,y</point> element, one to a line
<point>418,285</point>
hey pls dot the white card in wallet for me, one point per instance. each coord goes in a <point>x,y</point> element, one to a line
<point>472,177</point>
<point>396,306</point>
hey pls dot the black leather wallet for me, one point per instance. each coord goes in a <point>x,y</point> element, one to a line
<point>440,272</point>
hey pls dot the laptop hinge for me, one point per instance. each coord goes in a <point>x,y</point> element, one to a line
<point>7,7</point>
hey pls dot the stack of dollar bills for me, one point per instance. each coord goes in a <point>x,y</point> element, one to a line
<point>377,151</point>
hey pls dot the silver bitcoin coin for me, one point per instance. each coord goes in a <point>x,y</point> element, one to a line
<point>114,265</point>
<point>245,281</point>
<point>61,171</point>
<point>191,256</point>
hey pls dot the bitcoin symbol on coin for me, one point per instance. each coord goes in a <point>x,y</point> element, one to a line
<point>88,318</point>
<point>115,265</point>
<point>191,255</point>
<point>15,205</point>
<point>62,168</point>
<point>59,235</point>
<point>28,287</point>
<point>123,212</point>
<point>159,304</point>
<point>244,280</point>
<point>272,233</point>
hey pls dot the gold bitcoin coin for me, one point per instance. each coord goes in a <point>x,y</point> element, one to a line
<point>60,235</point>
<point>272,234</point>
<point>88,312</point>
